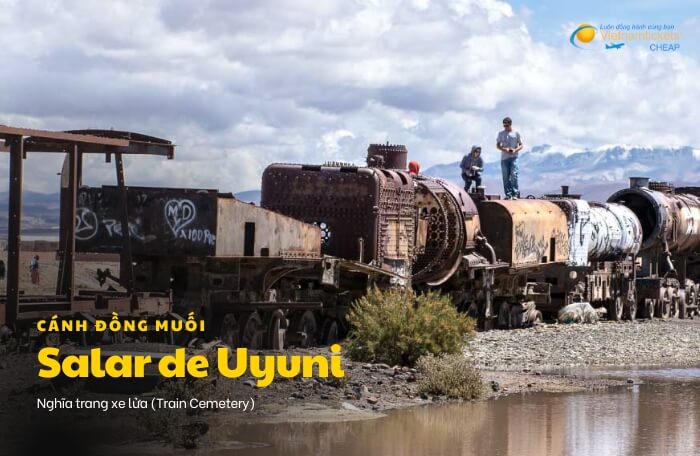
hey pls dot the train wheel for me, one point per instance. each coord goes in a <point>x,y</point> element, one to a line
<point>631,310</point>
<point>517,319</point>
<point>649,308</point>
<point>277,330</point>
<point>303,328</point>
<point>663,306</point>
<point>691,298</point>
<point>504,316</point>
<point>252,331</point>
<point>229,331</point>
<point>630,304</point>
<point>331,331</point>
<point>615,309</point>
<point>682,305</point>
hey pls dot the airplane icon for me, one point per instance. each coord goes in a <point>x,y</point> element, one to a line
<point>613,45</point>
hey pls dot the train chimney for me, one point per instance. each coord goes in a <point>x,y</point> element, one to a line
<point>564,190</point>
<point>395,156</point>
<point>639,182</point>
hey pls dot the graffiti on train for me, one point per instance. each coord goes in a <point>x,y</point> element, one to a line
<point>158,219</point>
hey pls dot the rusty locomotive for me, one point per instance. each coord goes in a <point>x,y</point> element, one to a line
<point>287,271</point>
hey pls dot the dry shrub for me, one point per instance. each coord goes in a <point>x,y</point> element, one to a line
<point>179,426</point>
<point>451,375</point>
<point>398,327</point>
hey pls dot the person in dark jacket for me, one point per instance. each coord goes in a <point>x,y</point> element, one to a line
<point>472,165</point>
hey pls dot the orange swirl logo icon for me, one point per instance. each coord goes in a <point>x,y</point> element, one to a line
<point>584,34</point>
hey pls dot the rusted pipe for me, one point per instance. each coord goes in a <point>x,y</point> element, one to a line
<point>482,239</point>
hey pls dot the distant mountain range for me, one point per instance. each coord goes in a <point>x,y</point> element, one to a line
<point>595,174</point>
<point>40,212</point>
<point>249,196</point>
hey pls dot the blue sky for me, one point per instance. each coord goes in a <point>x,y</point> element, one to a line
<point>239,85</point>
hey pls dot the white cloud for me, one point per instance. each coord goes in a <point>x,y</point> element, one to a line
<point>238,85</point>
<point>329,145</point>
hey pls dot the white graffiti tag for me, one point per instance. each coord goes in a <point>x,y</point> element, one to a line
<point>179,214</point>
<point>114,228</point>
<point>86,224</point>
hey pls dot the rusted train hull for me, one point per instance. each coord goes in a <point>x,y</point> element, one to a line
<point>258,278</point>
<point>668,275</point>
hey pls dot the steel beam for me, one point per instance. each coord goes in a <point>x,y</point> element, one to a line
<point>39,135</point>
<point>126,258</point>
<point>71,199</point>
<point>13,228</point>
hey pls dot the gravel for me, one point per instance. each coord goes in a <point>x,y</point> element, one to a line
<point>553,346</point>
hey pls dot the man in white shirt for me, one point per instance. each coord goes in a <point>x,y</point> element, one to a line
<point>509,143</point>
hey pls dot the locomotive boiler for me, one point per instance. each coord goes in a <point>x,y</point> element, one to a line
<point>603,241</point>
<point>416,227</point>
<point>670,223</point>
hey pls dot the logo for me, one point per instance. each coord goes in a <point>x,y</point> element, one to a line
<point>658,37</point>
<point>582,36</point>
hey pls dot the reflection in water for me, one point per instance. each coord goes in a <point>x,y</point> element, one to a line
<point>642,419</point>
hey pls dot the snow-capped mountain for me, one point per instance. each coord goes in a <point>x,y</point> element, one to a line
<point>594,173</point>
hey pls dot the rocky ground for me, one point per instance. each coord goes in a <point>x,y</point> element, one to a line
<point>538,359</point>
<point>554,347</point>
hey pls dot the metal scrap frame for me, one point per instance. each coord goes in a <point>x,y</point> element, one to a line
<point>18,142</point>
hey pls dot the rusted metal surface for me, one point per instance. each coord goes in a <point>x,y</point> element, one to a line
<point>187,222</point>
<point>526,233</point>
<point>20,141</point>
<point>126,261</point>
<point>138,144</point>
<point>51,138</point>
<point>91,141</point>
<point>448,222</point>
<point>270,234</point>
<point>365,214</point>
<point>14,226</point>
<point>389,156</point>
<point>66,278</point>
<point>670,220</point>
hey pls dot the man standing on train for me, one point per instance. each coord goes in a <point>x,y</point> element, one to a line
<point>509,143</point>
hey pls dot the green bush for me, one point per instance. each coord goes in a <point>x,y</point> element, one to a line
<point>451,375</point>
<point>398,327</point>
